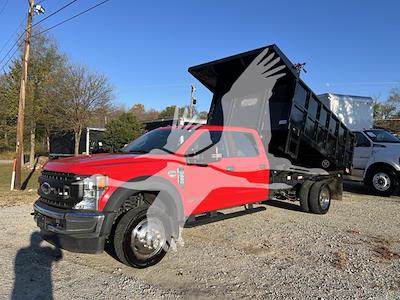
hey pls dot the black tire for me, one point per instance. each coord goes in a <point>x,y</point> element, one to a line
<point>383,181</point>
<point>317,206</point>
<point>123,236</point>
<point>303,195</point>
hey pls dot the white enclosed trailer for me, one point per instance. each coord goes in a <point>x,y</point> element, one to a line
<point>355,112</point>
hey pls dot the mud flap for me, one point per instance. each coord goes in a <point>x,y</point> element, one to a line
<point>336,187</point>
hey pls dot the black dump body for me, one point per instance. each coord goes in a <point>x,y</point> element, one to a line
<point>303,129</point>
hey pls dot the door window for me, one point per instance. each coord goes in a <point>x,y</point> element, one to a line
<point>212,146</point>
<point>209,147</point>
<point>361,140</point>
<point>241,144</point>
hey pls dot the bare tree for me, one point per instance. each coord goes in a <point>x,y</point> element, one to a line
<point>86,93</point>
<point>388,109</point>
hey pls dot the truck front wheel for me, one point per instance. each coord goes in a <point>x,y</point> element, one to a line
<point>382,180</point>
<point>142,237</point>
<point>320,198</point>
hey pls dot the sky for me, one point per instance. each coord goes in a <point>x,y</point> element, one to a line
<point>145,47</point>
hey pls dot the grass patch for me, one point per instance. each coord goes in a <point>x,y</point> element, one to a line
<point>7,155</point>
<point>10,198</point>
<point>5,177</point>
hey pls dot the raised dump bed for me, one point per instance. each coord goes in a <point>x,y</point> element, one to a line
<point>298,126</point>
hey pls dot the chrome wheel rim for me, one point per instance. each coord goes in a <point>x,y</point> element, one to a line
<point>147,238</point>
<point>381,181</point>
<point>324,198</point>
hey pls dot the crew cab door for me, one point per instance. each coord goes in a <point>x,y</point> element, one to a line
<point>224,169</point>
<point>362,153</point>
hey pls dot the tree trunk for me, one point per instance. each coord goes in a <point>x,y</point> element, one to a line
<point>78,134</point>
<point>33,143</point>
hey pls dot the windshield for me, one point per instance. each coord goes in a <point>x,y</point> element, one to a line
<point>159,141</point>
<point>382,136</point>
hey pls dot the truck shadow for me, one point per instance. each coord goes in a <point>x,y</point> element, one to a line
<point>283,204</point>
<point>32,268</point>
<point>359,188</point>
<point>220,216</point>
<point>28,178</point>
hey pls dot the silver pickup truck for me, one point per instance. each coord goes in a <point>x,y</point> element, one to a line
<point>376,160</point>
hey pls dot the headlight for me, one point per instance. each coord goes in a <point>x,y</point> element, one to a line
<point>93,189</point>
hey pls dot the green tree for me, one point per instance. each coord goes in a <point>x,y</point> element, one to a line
<point>122,130</point>
<point>169,112</point>
<point>138,110</point>
<point>383,110</point>
<point>44,67</point>
<point>9,94</point>
<point>144,114</point>
<point>203,115</point>
<point>388,109</point>
<point>394,101</point>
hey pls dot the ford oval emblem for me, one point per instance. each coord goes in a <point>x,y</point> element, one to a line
<point>46,188</point>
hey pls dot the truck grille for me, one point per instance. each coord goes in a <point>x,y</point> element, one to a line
<point>61,190</point>
<point>63,177</point>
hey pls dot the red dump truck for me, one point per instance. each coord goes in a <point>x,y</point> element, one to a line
<point>281,143</point>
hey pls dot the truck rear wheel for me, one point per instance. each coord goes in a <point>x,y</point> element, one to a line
<point>320,198</point>
<point>382,181</point>
<point>142,237</point>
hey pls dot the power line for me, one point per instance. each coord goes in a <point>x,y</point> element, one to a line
<point>73,17</point>
<point>12,35</point>
<point>9,51</point>
<point>4,7</point>
<point>54,13</point>
<point>37,23</point>
<point>12,55</point>
<point>54,26</point>
<point>328,84</point>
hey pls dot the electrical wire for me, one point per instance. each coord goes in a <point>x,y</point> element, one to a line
<point>12,35</point>
<point>5,64</point>
<point>73,17</point>
<point>4,7</point>
<point>15,44</point>
<point>35,24</point>
<point>54,26</point>
<point>54,13</point>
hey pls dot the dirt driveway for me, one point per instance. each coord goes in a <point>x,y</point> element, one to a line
<point>274,252</point>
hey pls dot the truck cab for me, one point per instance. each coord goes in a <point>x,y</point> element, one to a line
<point>178,172</point>
<point>376,160</point>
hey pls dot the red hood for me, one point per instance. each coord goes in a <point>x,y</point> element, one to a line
<point>100,163</point>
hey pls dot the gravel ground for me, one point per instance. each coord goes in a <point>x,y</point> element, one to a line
<point>274,252</point>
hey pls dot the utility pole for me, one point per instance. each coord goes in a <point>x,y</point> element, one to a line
<point>19,159</point>
<point>192,100</point>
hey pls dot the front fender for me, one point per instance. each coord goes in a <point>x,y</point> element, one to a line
<point>168,195</point>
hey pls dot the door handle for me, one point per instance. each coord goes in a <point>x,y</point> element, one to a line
<point>230,168</point>
<point>263,167</point>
